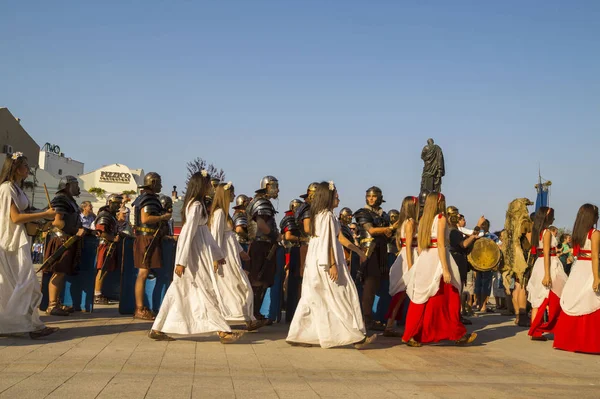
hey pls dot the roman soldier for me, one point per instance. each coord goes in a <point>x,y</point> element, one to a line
<point>167,204</point>
<point>262,265</point>
<point>66,225</point>
<point>345,219</point>
<point>149,216</point>
<point>107,227</point>
<point>374,231</point>
<point>291,239</point>
<point>240,220</point>
<point>302,215</point>
<point>392,247</point>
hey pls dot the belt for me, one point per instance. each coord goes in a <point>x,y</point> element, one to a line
<point>433,243</point>
<point>584,254</point>
<point>415,244</point>
<point>145,230</point>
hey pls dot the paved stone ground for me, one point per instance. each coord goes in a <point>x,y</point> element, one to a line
<point>106,355</point>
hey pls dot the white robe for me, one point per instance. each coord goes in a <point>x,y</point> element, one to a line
<point>536,292</point>
<point>399,269</point>
<point>329,312</point>
<point>190,306</point>
<point>578,297</point>
<point>232,286</point>
<point>20,293</point>
<point>423,279</point>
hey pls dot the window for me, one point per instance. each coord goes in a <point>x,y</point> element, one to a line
<point>60,172</point>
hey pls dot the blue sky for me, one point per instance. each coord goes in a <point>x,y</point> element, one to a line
<point>339,90</point>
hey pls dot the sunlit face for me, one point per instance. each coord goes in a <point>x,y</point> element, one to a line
<point>372,199</point>
<point>462,222</point>
<point>273,189</point>
<point>22,171</point>
<point>569,239</point>
<point>88,208</point>
<point>336,200</point>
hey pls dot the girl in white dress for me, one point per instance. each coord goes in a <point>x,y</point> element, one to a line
<point>20,293</point>
<point>433,283</point>
<point>328,313</point>
<point>577,329</point>
<point>547,276</point>
<point>231,283</point>
<point>190,306</point>
<point>406,237</point>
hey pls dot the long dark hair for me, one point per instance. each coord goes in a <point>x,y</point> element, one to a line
<point>408,210</point>
<point>9,168</point>
<point>322,201</point>
<point>587,217</point>
<point>542,220</point>
<point>196,190</point>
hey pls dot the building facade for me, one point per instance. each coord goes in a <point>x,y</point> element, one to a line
<point>14,138</point>
<point>55,162</point>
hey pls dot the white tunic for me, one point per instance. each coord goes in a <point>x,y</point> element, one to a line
<point>328,313</point>
<point>399,268</point>
<point>578,296</point>
<point>190,306</point>
<point>423,279</point>
<point>232,286</point>
<point>536,292</point>
<point>20,293</point>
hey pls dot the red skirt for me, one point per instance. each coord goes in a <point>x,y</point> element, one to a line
<point>437,319</point>
<point>108,263</point>
<point>578,333</point>
<point>538,327</point>
<point>395,299</point>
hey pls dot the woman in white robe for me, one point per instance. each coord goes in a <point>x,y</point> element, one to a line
<point>329,312</point>
<point>20,293</point>
<point>190,306</point>
<point>231,283</point>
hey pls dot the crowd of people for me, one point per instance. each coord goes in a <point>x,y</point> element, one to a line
<point>336,265</point>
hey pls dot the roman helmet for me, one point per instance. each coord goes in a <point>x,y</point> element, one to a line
<point>242,201</point>
<point>346,216</point>
<point>69,184</point>
<point>376,191</point>
<point>394,215</point>
<point>270,186</point>
<point>114,202</point>
<point>152,181</point>
<point>295,203</point>
<point>310,191</point>
<point>167,203</point>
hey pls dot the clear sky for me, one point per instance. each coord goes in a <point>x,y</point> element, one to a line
<point>319,90</point>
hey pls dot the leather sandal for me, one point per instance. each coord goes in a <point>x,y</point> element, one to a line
<point>55,310</point>
<point>412,343</point>
<point>68,309</point>
<point>255,325</point>
<point>466,339</point>
<point>100,300</point>
<point>230,337</point>
<point>44,332</point>
<point>159,336</point>
<point>365,342</point>
<point>143,314</point>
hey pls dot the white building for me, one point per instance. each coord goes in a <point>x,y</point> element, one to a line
<point>114,178</point>
<point>55,162</point>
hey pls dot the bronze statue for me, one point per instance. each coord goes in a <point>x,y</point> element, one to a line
<point>433,168</point>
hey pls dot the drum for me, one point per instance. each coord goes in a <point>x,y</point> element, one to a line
<point>485,255</point>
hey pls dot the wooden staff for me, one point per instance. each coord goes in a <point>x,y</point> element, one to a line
<point>47,196</point>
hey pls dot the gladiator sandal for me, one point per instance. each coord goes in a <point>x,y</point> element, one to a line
<point>159,336</point>
<point>44,332</point>
<point>54,309</point>
<point>466,339</point>
<point>68,309</point>
<point>100,300</point>
<point>230,337</point>
<point>366,341</point>
<point>143,313</point>
<point>412,343</point>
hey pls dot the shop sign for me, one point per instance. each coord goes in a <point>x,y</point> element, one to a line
<point>115,177</point>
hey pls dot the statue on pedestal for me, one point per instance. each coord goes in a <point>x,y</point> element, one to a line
<point>433,169</point>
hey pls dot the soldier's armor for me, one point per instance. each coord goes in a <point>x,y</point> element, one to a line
<point>69,210</point>
<point>392,247</point>
<point>261,206</point>
<point>346,232</point>
<point>108,220</point>
<point>366,216</point>
<point>302,212</point>
<point>241,220</point>
<point>288,223</point>
<point>150,203</point>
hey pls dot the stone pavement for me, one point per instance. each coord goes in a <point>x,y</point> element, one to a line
<point>106,355</point>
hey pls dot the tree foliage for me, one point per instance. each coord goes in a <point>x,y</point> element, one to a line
<point>198,164</point>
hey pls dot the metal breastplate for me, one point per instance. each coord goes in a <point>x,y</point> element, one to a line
<point>153,207</point>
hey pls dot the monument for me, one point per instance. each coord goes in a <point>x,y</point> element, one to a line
<point>433,170</point>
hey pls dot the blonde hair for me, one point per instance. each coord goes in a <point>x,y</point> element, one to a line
<point>222,200</point>
<point>435,204</point>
